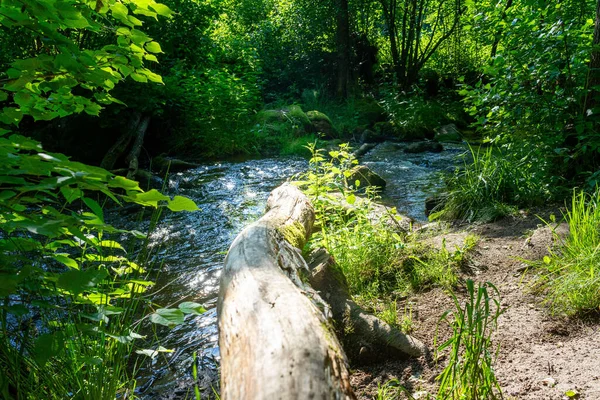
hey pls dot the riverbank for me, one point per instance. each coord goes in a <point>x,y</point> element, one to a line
<point>540,356</point>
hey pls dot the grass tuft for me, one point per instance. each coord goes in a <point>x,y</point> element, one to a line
<point>572,277</point>
<point>492,186</point>
<point>469,374</point>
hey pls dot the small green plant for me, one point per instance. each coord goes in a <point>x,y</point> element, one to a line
<point>376,259</point>
<point>469,374</point>
<point>429,267</point>
<point>367,251</point>
<point>572,277</point>
<point>407,324</point>
<point>389,390</point>
<point>389,314</point>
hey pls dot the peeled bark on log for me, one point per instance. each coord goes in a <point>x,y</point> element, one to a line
<point>362,330</point>
<point>276,342</point>
<point>132,157</point>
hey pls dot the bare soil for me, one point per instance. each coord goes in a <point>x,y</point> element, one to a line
<point>541,356</point>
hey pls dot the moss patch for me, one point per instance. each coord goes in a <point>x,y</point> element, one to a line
<point>294,234</point>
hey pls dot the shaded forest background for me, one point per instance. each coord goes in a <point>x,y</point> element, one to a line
<point>524,71</point>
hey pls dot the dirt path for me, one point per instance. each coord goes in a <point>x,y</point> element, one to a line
<point>541,357</point>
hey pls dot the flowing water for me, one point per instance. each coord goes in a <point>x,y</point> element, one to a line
<point>192,246</point>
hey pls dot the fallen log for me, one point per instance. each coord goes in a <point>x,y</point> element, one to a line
<point>275,340</point>
<point>276,334</point>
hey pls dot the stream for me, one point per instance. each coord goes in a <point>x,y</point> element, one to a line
<point>191,246</point>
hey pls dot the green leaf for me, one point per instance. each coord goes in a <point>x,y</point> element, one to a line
<point>95,207</point>
<point>152,77</point>
<point>92,360</point>
<point>66,260</point>
<point>70,194</point>
<point>123,183</point>
<point>8,284</point>
<point>150,198</point>
<point>180,203</point>
<point>153,47</point>
<point>153,353</point>
<point>111,244</point>
<point>351,199</point>
<point>47,346</point>
<point>161,9</point>
<point>77,281</point>
<point>547,260</point>
<point>138,77</point>
<point>168,317</point>
<point>189,307</point>
<point>119,10</point>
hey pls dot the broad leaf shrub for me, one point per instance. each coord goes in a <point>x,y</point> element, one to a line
<point>72,295</point>
<point>83,49</point>
<point>532,94</point>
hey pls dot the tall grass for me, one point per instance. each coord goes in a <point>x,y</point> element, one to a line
<point>492,186</point>
<point>470,374</point>
<point>573,272</point>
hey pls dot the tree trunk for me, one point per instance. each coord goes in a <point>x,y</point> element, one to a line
<point>389,12</point>
<point>368,336</point>
<point>275,341</point>
<point>132,157</point>
<point>593,82</point>
<point>499,33</point>
<point>343,38</point>
<point>121,145</point>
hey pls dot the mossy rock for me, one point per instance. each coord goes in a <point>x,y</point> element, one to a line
<point>295,113</point>
<point>322,124</point>
<point>422,147</point>
<point>288,119</point>
<point>270,116</point>
<point>366,176</point>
